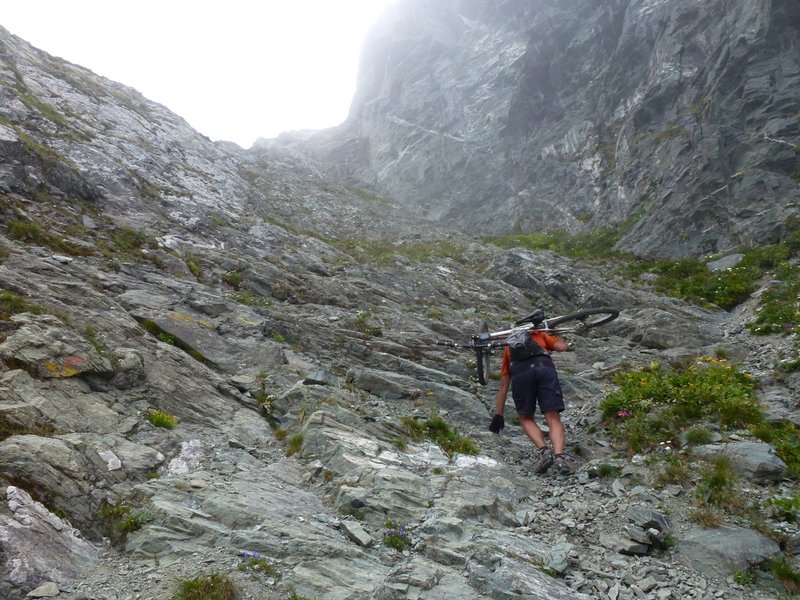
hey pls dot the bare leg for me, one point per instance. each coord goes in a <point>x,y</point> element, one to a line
<point>556,427</point>
<point>533,432</point>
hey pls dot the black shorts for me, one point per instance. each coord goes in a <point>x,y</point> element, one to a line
<point>539,383</point>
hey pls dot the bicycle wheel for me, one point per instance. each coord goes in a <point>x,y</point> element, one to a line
<point>482,356</point>
<point>583,319</point>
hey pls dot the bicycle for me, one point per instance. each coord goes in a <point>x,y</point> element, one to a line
<point>485,342</point>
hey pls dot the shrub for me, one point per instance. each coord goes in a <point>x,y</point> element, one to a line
<point>294,444</point>
<point>717,486</point>
<point>362,322</point>
<point>233,279</point>
<point>697,436</point>
<point>674,470</point>
<point>251,299</point>
<point>654,405</point>
<point>396,536</point>
<point>778,311</point>
<point>440,432</point>
<point>785,438</point>
<point>128,240</point>
<point>253,562</point>
<point>159,418</point>
<point>24,231</point>
<point>691,280</point>
<point>787,573</point>
<point>592,245</point>
<point>786,509</point>
<point>120,519</point>
<point>605,471</point>
<point>194,267</point>
<point>744,577</point>
<point>350,511</point>
<point>11,304</point>
<point>706,517</point>
<point>213,586</point>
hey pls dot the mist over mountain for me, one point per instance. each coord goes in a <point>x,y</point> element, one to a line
<point>220,365</point>
<point>674,121</point>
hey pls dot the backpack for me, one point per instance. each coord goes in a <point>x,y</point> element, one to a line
<point>523,347</point>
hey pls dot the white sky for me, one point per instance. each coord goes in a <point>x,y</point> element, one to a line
<point>234,69</point>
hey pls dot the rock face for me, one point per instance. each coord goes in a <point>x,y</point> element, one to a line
<point>677,119</point>
<point>219,360</point>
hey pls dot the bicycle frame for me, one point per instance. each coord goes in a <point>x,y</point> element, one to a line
<point>483,344</point>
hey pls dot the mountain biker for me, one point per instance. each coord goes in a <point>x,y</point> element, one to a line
<point>535,380</point>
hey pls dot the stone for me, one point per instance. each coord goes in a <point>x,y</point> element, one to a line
<point>722,551</point>
<point>725,263</point>
<point>320,378</point>
<point>46,590</point>
<point>356,533</point>
<point>623,546</point>
<point>756,461</point>
<point>646,517</point>
<point>557,558</point>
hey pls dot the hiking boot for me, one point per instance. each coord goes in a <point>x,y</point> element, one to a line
<point>544,462</point>
<point>562,466</point>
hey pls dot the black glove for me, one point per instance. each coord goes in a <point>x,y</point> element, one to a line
<point>498,422</point>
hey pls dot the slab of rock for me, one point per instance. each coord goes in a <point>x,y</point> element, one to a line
<point>46,348</point>
<point>646,518</point>
<point>755,461</point>
<point>722,551</point>
<point>354,531</point>
<point>623,546</point>
<point>557,559</point>
<point>38,546</point>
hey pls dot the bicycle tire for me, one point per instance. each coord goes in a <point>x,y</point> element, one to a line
<point>482,356</point>
<point>601,316</point>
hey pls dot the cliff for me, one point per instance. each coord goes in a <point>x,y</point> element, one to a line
<point>674,122</point>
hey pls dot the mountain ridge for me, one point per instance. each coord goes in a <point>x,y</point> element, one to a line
<point>677,120</point>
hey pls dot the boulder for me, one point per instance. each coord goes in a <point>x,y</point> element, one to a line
<point>720,552</point>
<point>38,546</point>
<point>755,461</point>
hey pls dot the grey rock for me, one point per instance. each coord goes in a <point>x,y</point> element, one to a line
<point>645,517</point>
<point>722,551</point>
<point>623,546</point>
<point>514,133</point>
<point>557,559</point>
<point>637,534</point>
<point>46,590</point>
<point>44,347</point>
<point>353,282</point>
<point>356,533</point>
<point>320,378</point>
<point>724,263</point>
<point>756,461</point>
<point>38,546</point>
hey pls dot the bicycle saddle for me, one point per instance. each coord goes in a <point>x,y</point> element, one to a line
<point>535,318</point>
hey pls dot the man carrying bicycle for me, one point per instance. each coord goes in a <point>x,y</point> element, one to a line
<point>532,377</point>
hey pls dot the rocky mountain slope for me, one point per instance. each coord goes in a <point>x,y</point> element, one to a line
<point>678,122</point>
<point>210,359</point>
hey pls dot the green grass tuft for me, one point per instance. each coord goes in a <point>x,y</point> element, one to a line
<point>213,586</point>
<point>440,432</point>
<point>294,443</point>
<point>159,418</point>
